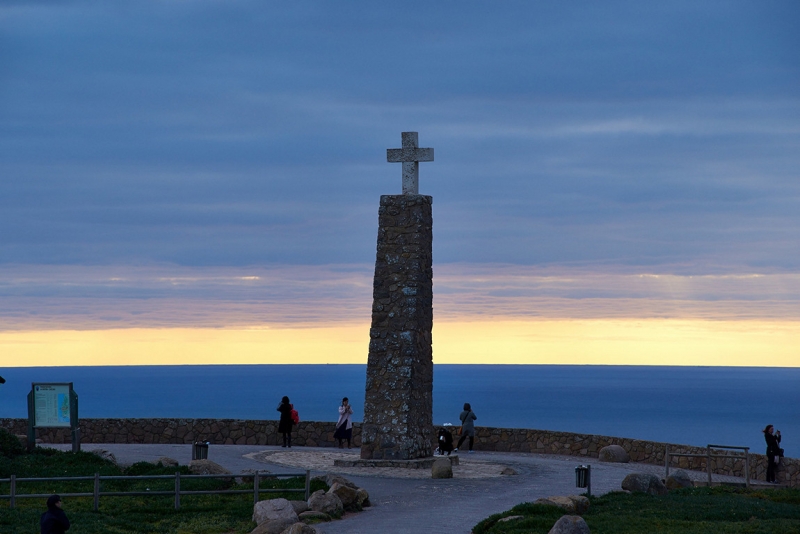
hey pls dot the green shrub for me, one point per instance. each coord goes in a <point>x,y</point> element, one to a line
<point>9,444</point>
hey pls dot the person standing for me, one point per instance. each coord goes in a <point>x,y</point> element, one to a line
<point>467,426</point>
<point>285,423</point>
<point>773,440</point>
<point>344,426</point>
<point>54,520</point>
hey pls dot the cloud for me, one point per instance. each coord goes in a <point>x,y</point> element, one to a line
<point>229,134</point>
<point>168,296</point>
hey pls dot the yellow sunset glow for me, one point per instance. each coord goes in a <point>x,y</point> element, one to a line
<point>502,341</point>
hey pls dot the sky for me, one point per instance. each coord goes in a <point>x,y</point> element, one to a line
<point>198,181</point>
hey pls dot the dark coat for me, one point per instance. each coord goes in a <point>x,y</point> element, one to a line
<point>773,442</point>
<point>445,441</point>
<point>285,424</point>
<point>54,521</point>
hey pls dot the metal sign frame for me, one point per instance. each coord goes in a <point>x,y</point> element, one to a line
<point>33,424</point>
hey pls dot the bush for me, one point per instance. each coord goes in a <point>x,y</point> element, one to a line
<point>9,444</point>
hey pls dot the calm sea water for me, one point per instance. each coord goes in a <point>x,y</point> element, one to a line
<point>689,405</point>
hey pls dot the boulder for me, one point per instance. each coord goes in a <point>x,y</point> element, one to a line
<point>275,510</point>
<point>574,504</point>
<point>363,498</point>
<point>581,503</point>
<point>442,468</point>
<point>346,494</point>
<point>331,479</point>
<point>276,526</point>
<point>299,506</point>
<point>207,467</point>
<point>300,528</point>
<point>644,483</point>
<point>565,503</point>
<point>614,453</point>
<point>327,503</point>
<point>166,461</point>
<point>679,479</point>
<point>313,516</point>
<point>570,524</point>
<point>508,471</point>
<point>105,455</point>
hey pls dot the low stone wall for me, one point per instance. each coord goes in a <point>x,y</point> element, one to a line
<point>214,431</point>
<point>320,434</point>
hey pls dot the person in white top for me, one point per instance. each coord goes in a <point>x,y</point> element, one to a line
<point>344,426</point>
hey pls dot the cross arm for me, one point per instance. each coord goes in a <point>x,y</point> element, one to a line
<point>399,155</point>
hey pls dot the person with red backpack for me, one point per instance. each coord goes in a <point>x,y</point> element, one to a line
<point>285,424</point>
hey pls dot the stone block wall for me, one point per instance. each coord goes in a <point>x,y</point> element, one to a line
<point>320,434</point>
<point>398,405</point>
<point>215,431</point>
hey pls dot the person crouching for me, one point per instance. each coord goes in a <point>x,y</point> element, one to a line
<point>445,442</point>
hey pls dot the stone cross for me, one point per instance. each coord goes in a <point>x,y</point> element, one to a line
<point>410,156</point>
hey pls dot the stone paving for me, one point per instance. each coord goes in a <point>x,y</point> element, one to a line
<point>408,500</point>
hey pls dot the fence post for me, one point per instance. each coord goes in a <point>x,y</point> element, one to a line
<point>308,484</point>
<point>14,490</point>
<point>666,461</point>
<point>708,464</point>
<point>96,491</point>
<point>255,487</point>
<point>177,490</point>
<point>747,467</point>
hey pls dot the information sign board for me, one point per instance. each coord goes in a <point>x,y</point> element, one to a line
<point>51,405</point>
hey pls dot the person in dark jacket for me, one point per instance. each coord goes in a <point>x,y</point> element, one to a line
<point>467,426</point>
<point>54,520</point>
<point>773,440</point>
<point>445,442</point>
<point>285,424</point>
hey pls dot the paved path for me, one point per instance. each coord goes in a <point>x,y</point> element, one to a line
<point>403,504</point>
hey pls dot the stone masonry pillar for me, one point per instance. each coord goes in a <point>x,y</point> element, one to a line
<point>398,408</point>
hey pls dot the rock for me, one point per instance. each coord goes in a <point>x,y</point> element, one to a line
<point>508,471</point>
<point>105,455</point>
<point>300,528</point>
<point>346,494</point>
<point>274,510</point>
<point>313,516</point>
<point>166,461</point>
<point>510,518</point>
<point>570,524</point>
<point>574,504</point>
<point>679,479</point>
<point>442,468</point>
<point>249,475</point>
<point>581,503</point>
<point>363,498</point>
<point>331,479</point>
<point>207,467</point>
<point>299,506</point>
<point>614,453</point>
<point>276,526</point>
<point>644,483</point>
<point>327,503</point>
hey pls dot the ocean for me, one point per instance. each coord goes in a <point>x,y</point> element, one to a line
<point>686,405</point>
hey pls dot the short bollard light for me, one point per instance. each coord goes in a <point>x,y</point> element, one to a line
<point>583,477</point>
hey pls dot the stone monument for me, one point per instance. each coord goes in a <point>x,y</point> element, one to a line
<point>398,407</point>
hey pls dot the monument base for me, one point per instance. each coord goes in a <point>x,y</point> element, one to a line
<point>417,463</point>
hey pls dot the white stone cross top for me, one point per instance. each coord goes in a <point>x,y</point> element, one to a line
<point>410,156</point>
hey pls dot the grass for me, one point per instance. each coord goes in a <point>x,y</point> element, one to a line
<point>199,514</point>
<point>718,510</point>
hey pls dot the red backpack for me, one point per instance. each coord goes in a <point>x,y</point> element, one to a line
<point>295,415</point>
